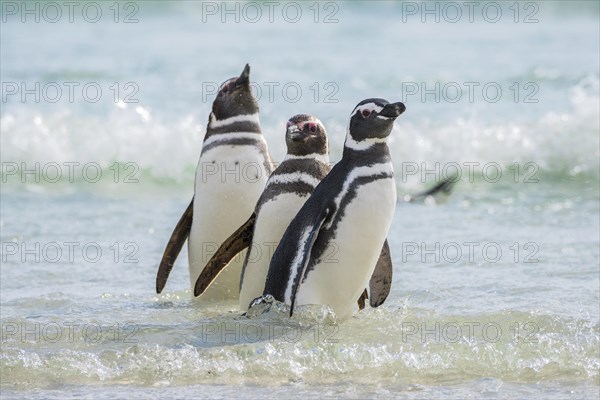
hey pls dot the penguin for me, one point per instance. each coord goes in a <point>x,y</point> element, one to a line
<point>437,194</point>
<point>288,188</point>
<point>232,172</point>
<point>350,210</point>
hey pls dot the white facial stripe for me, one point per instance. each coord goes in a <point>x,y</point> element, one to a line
<point>301,124</point>
<point>233,135</point>
<point>324,158</point>
<point>294,177</point>
<point>216,123</point>
<point>369,107</point>
<point>363,144</point>
<point>227,82</point>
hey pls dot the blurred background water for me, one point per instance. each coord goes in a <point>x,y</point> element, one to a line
<point>496,291</point>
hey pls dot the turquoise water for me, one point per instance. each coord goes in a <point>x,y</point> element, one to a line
<point>496,290</point>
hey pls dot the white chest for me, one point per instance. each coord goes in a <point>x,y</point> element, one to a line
<point>345,268</point>
<point>229,181</point>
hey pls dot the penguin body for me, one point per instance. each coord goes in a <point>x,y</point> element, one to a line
<point>232,171</point>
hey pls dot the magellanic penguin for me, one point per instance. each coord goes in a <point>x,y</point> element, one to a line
<point>232,172</point>
<point>351,211</point>
<point>288,188</point>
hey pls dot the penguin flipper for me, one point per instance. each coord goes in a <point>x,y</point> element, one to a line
<point>178,238</point>
<point>444,188</point>
<point>309,234</point>
<point>361,300</point>
<point>381,280</point>
<point>238,241</point>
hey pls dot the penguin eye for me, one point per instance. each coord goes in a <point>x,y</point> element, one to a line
<point>366,113</point>
<point>312,127</point>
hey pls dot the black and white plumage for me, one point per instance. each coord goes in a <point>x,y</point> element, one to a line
<point>349,212</point>
<point>290,185</point>
<point>232,171</point>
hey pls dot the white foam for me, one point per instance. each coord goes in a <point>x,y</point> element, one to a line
<point>559,140</point>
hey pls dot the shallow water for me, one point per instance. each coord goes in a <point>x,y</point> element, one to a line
<point>496,290</point>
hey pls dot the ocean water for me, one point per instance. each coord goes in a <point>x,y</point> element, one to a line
<point>496,288</point>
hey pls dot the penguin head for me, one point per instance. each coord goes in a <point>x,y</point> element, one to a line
<point>373,119</point>
<point>305,135</point>
<point>235,97</point>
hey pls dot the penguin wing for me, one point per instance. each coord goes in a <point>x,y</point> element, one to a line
<point>238,241</point>
<point>302,256</point>
<point>381,280</point>
<point>444,188</point>
<point>361,300</point>
<point>178,238</point>
<point>290,259</point>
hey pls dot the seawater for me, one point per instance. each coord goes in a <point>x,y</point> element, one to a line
<point>496,290</point>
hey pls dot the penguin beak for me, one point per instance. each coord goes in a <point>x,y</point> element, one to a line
<point>244,78</point>
<point>393,110</point>
<point>296,134</point>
